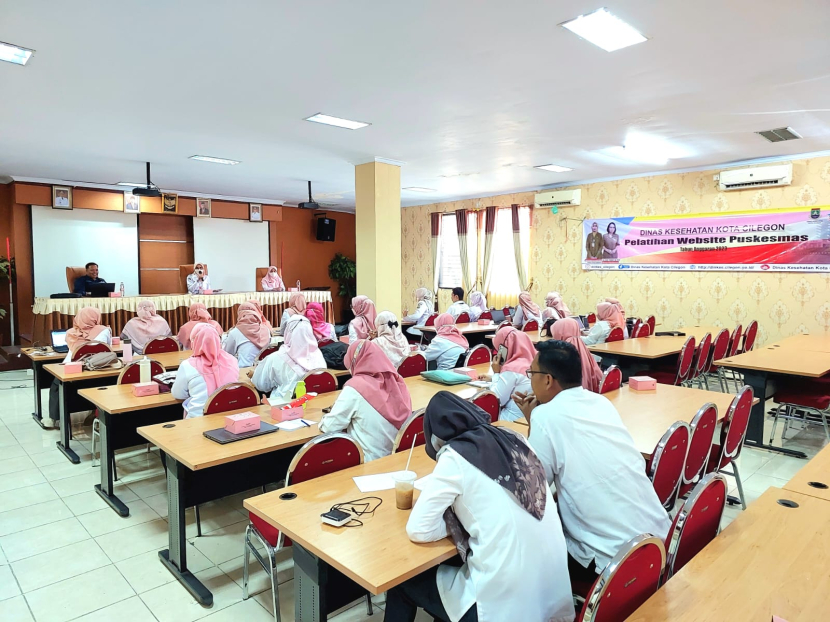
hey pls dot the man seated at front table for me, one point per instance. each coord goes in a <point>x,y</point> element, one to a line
<point>91,276</point>
<point>458,305</point>
<point>605,497</point>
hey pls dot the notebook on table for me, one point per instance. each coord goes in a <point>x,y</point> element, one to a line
<point>223,437</point>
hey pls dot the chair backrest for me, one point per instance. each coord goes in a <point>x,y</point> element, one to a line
<point>735,340</point>
<point>642,330</point>
<point>478,355</point>
<point>616,334</point>
<point>700,445</point>
<point>161,344</point>
<point>611,379</point>
<point>735,423</point>
<point>506,312</point>
<point>652,323</point>
<point>749,336</point>
<point>635,327</point>
<point>697,522</point>
<point>185,271</point>
<point>232,396</point>
<point>486,316</point>
<point>685,360</point>
<point>591,318</point>
<point>531,326</point>
<point>720,345</point>
<point>412,365</point>
<point>703,351</point>
<point>488,402</point>
<point>665,467</point>
<point>323,455</point>
<point>131,373</point>
<point>267,351</point>
<point>320,381</point>
<point>90,347</point>
<point>413,428</point>
<point>628,580</point>
<point>260,274</point>
<point>431,320</point>
<point>463,318</point>
<point>72,273</point>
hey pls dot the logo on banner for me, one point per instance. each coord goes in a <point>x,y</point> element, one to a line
<point>765,267</point>
<point>815,213</point>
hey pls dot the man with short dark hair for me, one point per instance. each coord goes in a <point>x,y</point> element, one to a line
<point>605,497</point>
<point>458,305</point>
<point>91,276</point>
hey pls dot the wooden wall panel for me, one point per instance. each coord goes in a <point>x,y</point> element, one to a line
<point>164,227</point>
<point>174,248</point>
<point>32,194</point>
<point>109,200</point>
<point>159,281</point>
<point>165,254</point>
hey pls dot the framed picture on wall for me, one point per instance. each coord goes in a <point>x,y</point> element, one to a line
<point>132,203</point>
<point>202,208</point>
<point>169,203</point>
<point>61,197</point>
<point>255,212</point>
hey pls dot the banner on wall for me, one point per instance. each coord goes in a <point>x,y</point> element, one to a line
<point>793,239</point>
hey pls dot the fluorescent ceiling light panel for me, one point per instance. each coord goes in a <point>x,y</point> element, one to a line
<point>419,189</point>
<point>214,160</point>
<point>554,168</point>
<point>604,30</point>
<point>336,121</point>
<point>15,54</point>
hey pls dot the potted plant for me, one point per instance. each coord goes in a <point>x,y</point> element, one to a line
<point>343,270</point>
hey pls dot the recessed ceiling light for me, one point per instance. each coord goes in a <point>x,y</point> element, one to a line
<point>15,54</point>
<point>648,149</point>
<point>336,121</point>
<point>214,160</point>
<point>130,184</point>
<point>554,168</point>
<point>419,189</point>
<point>604,30</point>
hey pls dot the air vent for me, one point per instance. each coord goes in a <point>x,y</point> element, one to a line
<point>780,134</point>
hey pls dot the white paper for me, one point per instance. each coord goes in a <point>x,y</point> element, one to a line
<point>481,384</point>
<point>374,483</point>
<point>296,424</point>
<point>420,484</point>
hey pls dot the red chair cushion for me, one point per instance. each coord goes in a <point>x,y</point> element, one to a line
<point>268,532</point>
<point>662,376</point>
<point>818,400</point>
<point>712,464</point>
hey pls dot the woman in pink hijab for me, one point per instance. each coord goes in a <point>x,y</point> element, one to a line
<point>373,404</point>
<point>323,331</point>
<point>448,345</point>
<point>514,354</point>
<point>608,317</point>
<point>208,369</point>
<point>526,311</point>
<point>568,330</point>
<point>146,327</point>
<point>249,337</point>
<point>363,324</point>
<point>296,305</point>
<point>258,308</point>
<point>86,326</point>
<point>280,372</point>
<point>272,282</point>
<point>478,305</point>
<point>198,314</point>
<point>619,307</point>
<point>555,307</point>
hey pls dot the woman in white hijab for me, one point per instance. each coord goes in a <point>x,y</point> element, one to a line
<point>478,305</point>
<point>390,339</point>
<point>280,372</point>
<point>425,308</point>
<point>198,281</point>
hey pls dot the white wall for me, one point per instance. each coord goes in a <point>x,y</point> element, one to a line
<point>232,249</point>
<point>63,238</point>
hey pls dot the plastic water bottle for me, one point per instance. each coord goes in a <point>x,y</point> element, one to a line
<point>144,370</point>
<point>300,391</point>
<point>121,289</point>
<point>127,351</point>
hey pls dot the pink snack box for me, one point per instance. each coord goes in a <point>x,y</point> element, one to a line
<point>467,371</point>
<point>286,414</point>
<point>140,389</point>
<point>115,294</point>
<point>116,341</point>
<point>241,423</point>
<point>642,383</point>
<point>207,291</point>
<point>73,368</point>
<point>485,322</point>
<point>293,289</point>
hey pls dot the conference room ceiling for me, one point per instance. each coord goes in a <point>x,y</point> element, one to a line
<point>469,95</point>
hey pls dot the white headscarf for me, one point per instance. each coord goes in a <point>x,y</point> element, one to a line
<point>300,351</point>
<point>390,339</point>
<point>422,293</point>
<point>478,304</point>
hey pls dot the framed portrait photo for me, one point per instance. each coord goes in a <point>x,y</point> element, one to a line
<point>255,212</point>
<point>61,197</point>
<point>202,208</point>
<point>169,203</point>
<point>132,203</point>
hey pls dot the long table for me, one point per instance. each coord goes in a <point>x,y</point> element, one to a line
<point>650,348</point>
<point>814,478</point>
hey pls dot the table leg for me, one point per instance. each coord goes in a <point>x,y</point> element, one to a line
<point>66,426</point>
<point>318,588</point>
<point>104,489</point>
<point>175,557</point>
<point>755,431</point>
<point>37,415</point>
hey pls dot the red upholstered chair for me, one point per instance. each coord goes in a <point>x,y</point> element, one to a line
<point>703,431</point>
<point>720,344</point>
<point>506,311</point>
<point>806,397</point>
<point>161,344</point>
<point>412,365</point>
<point>267,351</point>
<point>431,320</point>
<point>531,326</point>
<point>628,581</point>
<point>592,318</point>
<point>320,381</point>
<point>732,434</point>
<point>734,345</point>
<point>463,318</point>
<point>477,356</point>
<point>749,337</point>
<point>616,334</point>
<point>488,402</point>
<point>411,431</point>
<point>701,361</point>
<point>486,316</point>
<point>326,454</point>
<point>232,396</point>
<point>641,331</point>
<point>652,324</point>
<point>90,347</point>
<point>611,379</point>
<point>665,467</point>
<point>696,524</point>
<point>683,368</point>
<point>637,324</point>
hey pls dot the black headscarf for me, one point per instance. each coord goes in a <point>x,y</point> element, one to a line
<point>499,453</point>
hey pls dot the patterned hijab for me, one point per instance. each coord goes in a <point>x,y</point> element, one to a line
<point>499,453</point>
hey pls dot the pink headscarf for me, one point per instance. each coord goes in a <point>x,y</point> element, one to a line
<point>216,366</point>
<point>364,316</point>
<point>609,312</point>
<point>530,308</point>
<point>619,306</point>
<point>198,315</point>
<point>315,314</point>
<point>272,282</point>
<point>520,350</point>
<point>86,326</point>
<point>445,325</point>
<point>250,324</point>
<point>378,382</point>
<point>300,351</point>
<point>554,299</point>
<point>568,330</point>
<point>296,303</point>
<point>148,325</point>
<point>258,308</point>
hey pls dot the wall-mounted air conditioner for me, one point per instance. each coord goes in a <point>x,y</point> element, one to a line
<point>558,198</point>
<point>757,177</point>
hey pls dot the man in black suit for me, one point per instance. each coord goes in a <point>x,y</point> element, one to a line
<point>91,276</point>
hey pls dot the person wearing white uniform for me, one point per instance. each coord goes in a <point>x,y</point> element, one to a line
<point>608,317</point>
<point>423,310</point>
<point>296,306</point>
<point>206,370</point>
<point>248,338</point>
<point>373,404</point>
<point>280,372</point>
<point>489,495</point>
<point>514,354</point>
<point>605,497</point>
<point>390,339</point>
<point>198,280</point>
<point>448,344</point>
<point>458,305</point>
<point>478,305</point>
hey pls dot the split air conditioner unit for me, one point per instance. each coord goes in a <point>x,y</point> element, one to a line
<point>758,177</point>
<point>558,198</point>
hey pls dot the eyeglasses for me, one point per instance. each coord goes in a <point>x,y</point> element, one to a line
<point>530,373</point>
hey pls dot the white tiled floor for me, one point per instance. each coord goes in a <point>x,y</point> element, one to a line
<point>65,555</point>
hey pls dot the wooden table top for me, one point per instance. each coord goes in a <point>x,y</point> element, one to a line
<point>378,555</point>
<point>771,560</point>
<point>653,347</point>
<point>472,327</point>
<point>170,360</point>
<point>816,471</point>
<point>809,343</point>
<point>36,354</point>
<point>783,357</point>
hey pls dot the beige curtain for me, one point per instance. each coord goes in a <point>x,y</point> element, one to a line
<point>461,230</point>
<point>435,240</point>
<point>489,229</point>
<point>519,252</point>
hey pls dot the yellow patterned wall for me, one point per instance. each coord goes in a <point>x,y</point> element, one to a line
<point>783,303</point>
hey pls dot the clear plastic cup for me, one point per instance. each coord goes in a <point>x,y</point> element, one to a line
<point>404,489</point>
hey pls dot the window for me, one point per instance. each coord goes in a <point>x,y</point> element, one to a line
<point>504,278</point>
<point>449,261</point>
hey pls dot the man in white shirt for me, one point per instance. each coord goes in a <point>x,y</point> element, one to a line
<point>605,497</point>
<point>458,305</point>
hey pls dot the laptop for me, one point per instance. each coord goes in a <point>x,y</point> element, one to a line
<point>59,341</point>
<point>100,290</point>
<point>498,316</point>
<point>583,321</point>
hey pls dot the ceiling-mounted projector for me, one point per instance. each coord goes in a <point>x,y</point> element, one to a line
<point>152,190</point>
<point>311,203</point>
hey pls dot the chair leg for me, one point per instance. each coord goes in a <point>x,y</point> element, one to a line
<point>369,610</point>
<point>775,424</point>
<point>246,561</point>
<point>824,422</point>
<point>275,591</point>
<point>198,523</point>
<point>706,381</point>
<point>740,484</point>
<point>96,436</point>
